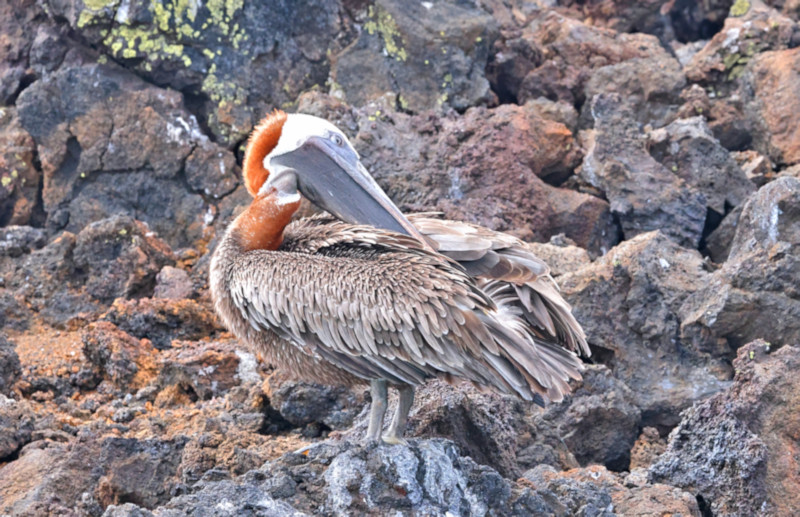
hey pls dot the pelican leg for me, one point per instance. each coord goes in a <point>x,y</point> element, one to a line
<point>398,425</point>
<point>380,393</point>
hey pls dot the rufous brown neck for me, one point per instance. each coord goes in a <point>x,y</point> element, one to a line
<point>261,225</point>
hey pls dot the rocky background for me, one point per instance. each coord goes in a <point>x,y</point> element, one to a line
<point>651,148</point>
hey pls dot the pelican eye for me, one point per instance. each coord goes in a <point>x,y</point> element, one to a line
<point>337,139</point>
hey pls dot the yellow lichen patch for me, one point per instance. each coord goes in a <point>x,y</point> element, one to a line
<point>6,181</point>
<point>128,42</point>
<point>740,8</point>
<point>92,9</point>
<point>180,32</point>
<point>222,12</point>
<point>174,21</point>
<point>381,23</point>
<point>221,91</point>
<point>96,5</point>
<point>402,102</point>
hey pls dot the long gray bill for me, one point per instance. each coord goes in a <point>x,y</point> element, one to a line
<point>333,178</point>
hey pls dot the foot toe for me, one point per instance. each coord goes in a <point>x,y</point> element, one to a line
<point>394,440</point>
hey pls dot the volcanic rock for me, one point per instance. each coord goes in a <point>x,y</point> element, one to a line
<point>630,304</point>
<point>163,320</point>
<point>19,20</point>
<point>429,54</point>
<point>650,86</point>
<point>599,421</point>
<point>120,358</point>
<point>688,148</point>
<point>773,79</point>
<point>754,294</point>
<point>9,365</point>
<point>173,283</point>
<point>203,49</point>
<point>19,177</point>
<point>303,403</point>
<point>572,51</point>
<point>736,449</point>
<point>752,27</point>
<point>718,243</point>
<point>16,426</point>
<point>756,167</point>
<point>112,144</point>
<point>120,257</point>
<point>724,116</point>
<point>87,475</point>
<point>424,477</point>
<point>208,370</point>
<point>19,240</point>
<point>111,258</point>
<point>648,447</point>
<point>643,193</point>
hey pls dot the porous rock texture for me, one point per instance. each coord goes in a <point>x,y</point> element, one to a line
<point>649,150</point>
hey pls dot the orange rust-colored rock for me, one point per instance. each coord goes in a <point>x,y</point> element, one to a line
<point>647,448</point>
<point>19,178</point>
<point>775,81</point>
<point>123,359</point>
<point>47,352</point>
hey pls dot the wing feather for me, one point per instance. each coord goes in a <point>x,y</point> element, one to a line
<point>509,260</point>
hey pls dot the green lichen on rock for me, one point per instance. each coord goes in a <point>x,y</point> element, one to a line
<point>96,5</point>
<point>94,10</point>
<point>736,62</point>
<point>221,91</point>
<point>222,12</point>
<point>127,42</point>
<point>739,8</point>
<point>176,25</point>
<point>179,26</point>
<point>402,102</point>
<point>381,23</point>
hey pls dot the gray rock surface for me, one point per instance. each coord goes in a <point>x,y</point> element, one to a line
<point>726,448</point>
<point>19,240</point>
<point>647,279</point>
<point>688,148</point>
<point>425,477</point>
<point>96,160</point>
<point>16,426</point>
<point>203,49</point>
<point>754,293</point>
<point>9,365</point>
<point>642,193</point>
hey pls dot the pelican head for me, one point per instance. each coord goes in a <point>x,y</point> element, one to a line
<point>298,152</point>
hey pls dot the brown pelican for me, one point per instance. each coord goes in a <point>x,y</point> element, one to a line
<point>371,295</point>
